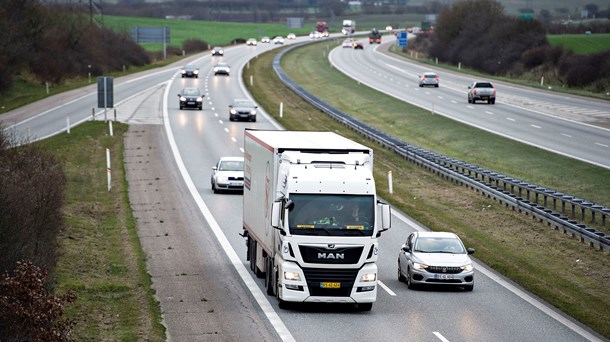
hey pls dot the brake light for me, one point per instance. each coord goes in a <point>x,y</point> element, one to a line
<point>494,92</point>
<point>423,78</point>
<point>437,78</point>
<point>474,92</point>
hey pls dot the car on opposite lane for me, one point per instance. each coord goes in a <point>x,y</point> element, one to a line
<point>278,40</point>
<point>251,42</point>
<point>218,51</point>
<point>435,258</point>
<point>222,69</point>
<point>228,174</point>
<point>291,36</point>
<point>189,70</point>
<point>242,109</point>
<point>265,39</point>
<point>429,78</point>
<point>191,97</point>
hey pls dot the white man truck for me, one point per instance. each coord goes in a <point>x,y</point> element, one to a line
<point>311,216</point>
<point>348,27</point>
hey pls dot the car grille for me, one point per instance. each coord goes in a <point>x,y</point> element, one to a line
<point>315,276</point>
<point>321,255</point>
<point>444,269</point>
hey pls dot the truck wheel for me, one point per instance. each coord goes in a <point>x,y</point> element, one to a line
<point>252,251</point>
<point>282,304</point>
<point>269,277</point>
<point>365,306</point>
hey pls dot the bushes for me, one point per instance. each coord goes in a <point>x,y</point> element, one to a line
<point>194,45</point>
<point>28,312</point>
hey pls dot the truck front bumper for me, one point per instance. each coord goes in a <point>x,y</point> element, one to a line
<point>327,285</point>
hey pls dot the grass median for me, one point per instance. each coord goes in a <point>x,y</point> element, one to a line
<point>101,259</point>
<point>553,266</point>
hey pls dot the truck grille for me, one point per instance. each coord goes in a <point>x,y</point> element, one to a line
<point>316,276</point>
<point>321,255</point>
<point>444,269</point>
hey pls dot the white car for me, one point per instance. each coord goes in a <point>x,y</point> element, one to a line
<point>265,40</point>
<point>222,69</point>
<point>348,43</point>
<point>278,40</point>
<point>435,258</point>
<point>251,42</point>
<point>291,36</point>
<point>228,174</point>
<point>388,28</point>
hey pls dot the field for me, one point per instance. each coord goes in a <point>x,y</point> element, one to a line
<point>582,44</point>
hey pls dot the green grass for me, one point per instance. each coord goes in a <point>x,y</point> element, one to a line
<point>582,44</point>
<point>215,33</point>
<point>540,259</point>
<point>101,257</point>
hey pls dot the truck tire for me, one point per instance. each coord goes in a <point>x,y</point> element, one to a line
<point>282,304</point>
<point>365,306</point>
<point>270,278</point>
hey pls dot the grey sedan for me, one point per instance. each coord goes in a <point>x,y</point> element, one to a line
<point>242,109</point>
<point>435,258</point>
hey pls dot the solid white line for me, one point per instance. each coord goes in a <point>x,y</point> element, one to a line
<point>440,337</point>
<point>244,273</point>
<point>387,289</point>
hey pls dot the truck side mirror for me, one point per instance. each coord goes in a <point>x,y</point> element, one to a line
<point>386,216</point>
<point>275,214</point>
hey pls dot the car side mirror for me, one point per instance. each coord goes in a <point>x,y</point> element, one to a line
<point>179,95</point>
<point>406,249</point>
<point>214,168</point>
<point>468,87</point>
<point>470,250</point>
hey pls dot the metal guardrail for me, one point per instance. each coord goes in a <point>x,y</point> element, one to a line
<point>518,194</point>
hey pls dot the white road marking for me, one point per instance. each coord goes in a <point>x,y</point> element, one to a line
<point>440,97</point>
<point>511,119</point>
<point>488,112</point>
<point>535,126</point>
<point>233,138</point>
<point>469,106</point>
<point>600,144</point>
<point>566,135</point>
<point>244,273</point>
<point>387,289</point>
<point>453,101</point>
<point>226,130</point>
<point>440,337</point>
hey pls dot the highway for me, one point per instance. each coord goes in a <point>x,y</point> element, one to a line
<point>494,311</point>
<point>572,126</point>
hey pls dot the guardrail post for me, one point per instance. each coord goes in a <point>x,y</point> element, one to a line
<point>281,109</point>
<point>68,124</point>
<point>390,189</point>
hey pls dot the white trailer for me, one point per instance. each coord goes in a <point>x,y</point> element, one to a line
<point>311,216</point>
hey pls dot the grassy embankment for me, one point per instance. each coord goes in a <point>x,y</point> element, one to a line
<point>101,259</point>
<point>582,44</point>
<point>559,269</point>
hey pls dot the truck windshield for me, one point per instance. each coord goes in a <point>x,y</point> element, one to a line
<point>339,215</point>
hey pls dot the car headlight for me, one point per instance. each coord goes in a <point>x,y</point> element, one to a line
<point>182,98</point>
<point>467,268</point>
<point>228,70</point>
<point>199,99</point>
<point>196,72</point>
<point>183,71</point>
<point>292,276</point>
<point>215,69</point>
<point>369,277</point>
<point>253,112</point>
<point>418,266</point>
<point>221,179</point>
<point>233,111</point>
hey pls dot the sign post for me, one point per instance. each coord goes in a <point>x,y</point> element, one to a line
<point>105,94</point>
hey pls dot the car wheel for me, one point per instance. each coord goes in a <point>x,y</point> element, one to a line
<point>410,284</point>
<point>401,277</point>
<point>231,118</point>
<point>493,101</point>
<point>469,288</point>
<point>421,85</point>
<point>214,188</point>
<point>181,107</point>
<point>436,85</point>
<point>469,100</point>
<point>253,119</point>
<point>473,101</point>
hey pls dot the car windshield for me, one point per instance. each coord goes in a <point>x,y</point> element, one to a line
<point>243,103</point>
<point>339,215</point>
<point>190,92</point>
<point>189,67</point>
<point>222,65</point>
<point>439,245</point>
<point>231,165</point>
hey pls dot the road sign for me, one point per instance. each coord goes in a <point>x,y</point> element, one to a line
<point>150,34</point>
<point>105,92</point>
<point>401,38</point>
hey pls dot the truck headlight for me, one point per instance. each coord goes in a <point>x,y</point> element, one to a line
<point>467,268</point>
<point>292,276</point>
<point>418,266</point>
<point>369,277</point>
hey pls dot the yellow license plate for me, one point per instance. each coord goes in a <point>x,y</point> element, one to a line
<point>330,285</point>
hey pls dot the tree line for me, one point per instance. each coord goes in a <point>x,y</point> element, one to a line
<point>478,35</point>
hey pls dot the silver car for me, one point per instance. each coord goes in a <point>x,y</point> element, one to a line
<point>222,69</point>
<point>228,174</point>
<point>429,78</point>
<point>435,258</point>
<point>242,109</point>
